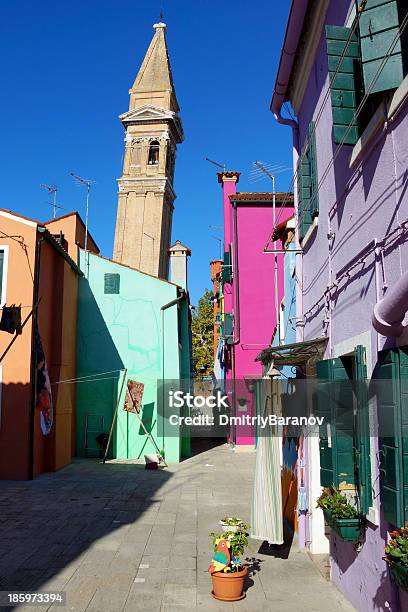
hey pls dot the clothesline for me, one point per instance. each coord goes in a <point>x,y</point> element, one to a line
<point>89,380</point>
<point>88,377</point>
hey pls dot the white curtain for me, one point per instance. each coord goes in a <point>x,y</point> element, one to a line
<point>266,507</point>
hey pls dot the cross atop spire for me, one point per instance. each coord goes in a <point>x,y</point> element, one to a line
<point>154,82</point>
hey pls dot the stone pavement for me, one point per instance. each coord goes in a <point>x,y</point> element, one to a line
<point>122,539</point>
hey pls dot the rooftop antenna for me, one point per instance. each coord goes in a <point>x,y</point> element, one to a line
<point>52,189</point>
<point>161,11</point>
<point>223,166</point>
<point>87,184</point>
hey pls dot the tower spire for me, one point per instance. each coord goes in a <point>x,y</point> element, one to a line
<point>146,195</point>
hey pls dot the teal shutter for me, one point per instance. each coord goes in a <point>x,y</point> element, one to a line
<point>226,273</point>
<point>344,418</point>
<point>343,85</point>
<point>314,193</point>
<point>335,403</point>
<point>379,24</point>
<point>389,413</point>
<point>403,355</point>
<point>363,431</point>
<point>326,433</point>
<point>307,183</point>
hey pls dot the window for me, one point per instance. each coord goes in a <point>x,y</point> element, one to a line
<point>154,149</point>
<point>342,399</point>
<point>112,284</point>
<point>364,63</point>
<point>3,274</point>
<point>308,205</point>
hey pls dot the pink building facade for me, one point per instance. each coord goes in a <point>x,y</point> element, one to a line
<point>249,309</point>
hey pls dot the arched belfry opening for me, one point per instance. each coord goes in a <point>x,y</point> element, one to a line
<point>154,150</point>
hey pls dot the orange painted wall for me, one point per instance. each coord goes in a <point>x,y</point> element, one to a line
<point>16,376</point>
<point>74,232</point>
<point>57,316</point>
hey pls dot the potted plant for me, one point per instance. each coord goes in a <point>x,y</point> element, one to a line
<point>226,569</point>
<point>230,523</point>
<point>340,515</point>
<point>396,555</point>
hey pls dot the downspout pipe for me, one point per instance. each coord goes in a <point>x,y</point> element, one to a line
<point>176,300</point>
<point>237,317</point>
<point>390,312</point>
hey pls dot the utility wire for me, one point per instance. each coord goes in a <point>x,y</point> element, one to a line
<point>320,111</point>
<point>357,112</point>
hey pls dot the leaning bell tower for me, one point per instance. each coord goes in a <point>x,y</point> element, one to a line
<point>152,132</point>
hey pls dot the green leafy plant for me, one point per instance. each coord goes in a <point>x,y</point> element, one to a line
<point>396,551</point>
<point>336,504</point>
<point>238,542</point>
<point>231,520</point>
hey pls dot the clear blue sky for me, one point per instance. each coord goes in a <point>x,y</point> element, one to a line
<point>66,70</point>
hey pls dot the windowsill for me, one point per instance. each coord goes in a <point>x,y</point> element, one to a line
<point>310,232</point>
<point>374,126</point>
<point>372,516</point>
<point>387,111</point>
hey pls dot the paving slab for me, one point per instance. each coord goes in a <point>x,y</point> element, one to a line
<point>118,538</point>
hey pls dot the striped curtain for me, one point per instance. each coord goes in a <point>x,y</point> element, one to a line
<point>266,507</point>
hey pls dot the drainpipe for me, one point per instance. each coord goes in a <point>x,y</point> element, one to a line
<point>237,319</point>
<point>34,360</point>
<point>162,309</point>
<point>390,312</point>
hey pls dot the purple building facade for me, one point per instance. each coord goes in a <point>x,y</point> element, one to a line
<point>344,72</point>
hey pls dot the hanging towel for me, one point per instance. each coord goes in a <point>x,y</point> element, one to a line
<point>11,319</point>
<point>44,396</point>
<point>266,507</point>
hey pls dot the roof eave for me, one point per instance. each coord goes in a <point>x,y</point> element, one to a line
<point>290,44</point>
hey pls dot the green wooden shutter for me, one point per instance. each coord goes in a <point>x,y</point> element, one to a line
<point>362,431</point>
<point>314,194</point>
<point>403,356</point>
<point>379,24</point>
<point>327,432</point>
<point>345,470</point>
<point>335,403</point>
<point>389,414</point>
<point>343,85</point>
<point>307,183</point>
<point>226,273</point>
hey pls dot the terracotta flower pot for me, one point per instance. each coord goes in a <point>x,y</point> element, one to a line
<point>229,586</point>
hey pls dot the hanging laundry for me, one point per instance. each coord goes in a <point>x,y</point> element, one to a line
<point>133,400</point>
<point>11,319</point>
<point>44,396</point>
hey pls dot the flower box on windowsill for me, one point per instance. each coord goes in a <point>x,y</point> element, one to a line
<point>399,574</point>
<point>349,529</point>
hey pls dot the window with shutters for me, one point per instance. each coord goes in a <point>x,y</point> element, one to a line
<point>344,441</point>
<point>112,283</point>
<point>365,62</point>
<point>308,201</point>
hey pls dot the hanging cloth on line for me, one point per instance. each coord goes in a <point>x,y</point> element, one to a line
<point>43,390</point>
<point>11,319</point>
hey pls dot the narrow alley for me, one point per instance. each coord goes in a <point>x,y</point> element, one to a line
<point>120,538</point>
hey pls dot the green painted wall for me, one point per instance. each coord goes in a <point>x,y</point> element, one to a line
<point>117,331</point>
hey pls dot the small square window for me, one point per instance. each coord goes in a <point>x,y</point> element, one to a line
<point>112,283</point>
